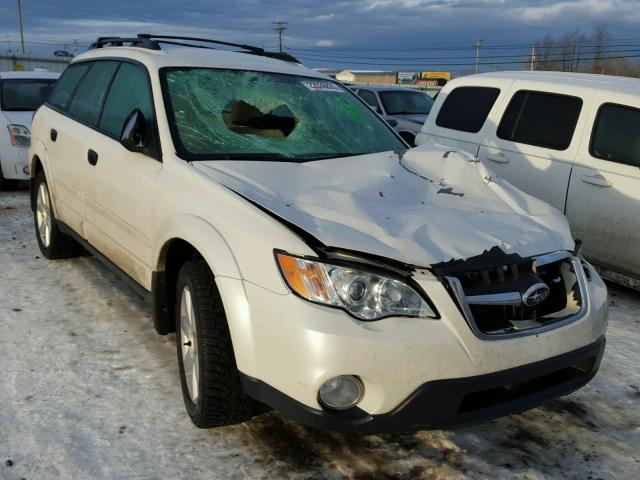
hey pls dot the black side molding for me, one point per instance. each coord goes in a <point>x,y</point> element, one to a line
<point>124,276</point>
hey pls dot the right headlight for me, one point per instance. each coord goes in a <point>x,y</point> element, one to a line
<point>365,295</point>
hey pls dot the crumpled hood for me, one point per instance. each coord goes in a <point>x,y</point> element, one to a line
<point>413,117</point>
<point>425,207</point>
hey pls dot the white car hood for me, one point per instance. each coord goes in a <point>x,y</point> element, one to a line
<point>425,207</point>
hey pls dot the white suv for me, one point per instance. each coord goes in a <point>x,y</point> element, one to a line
<point>304,257</point>
<point>21,93</point>
<point>570,139</point>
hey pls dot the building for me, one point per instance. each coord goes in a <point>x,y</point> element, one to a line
<point>367,77</point>
<point>18,62</point>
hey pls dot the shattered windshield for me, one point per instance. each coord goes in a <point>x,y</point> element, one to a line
<point>231,114</point>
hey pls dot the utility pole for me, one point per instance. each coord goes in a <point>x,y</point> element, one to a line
<point>533,58</point>
<point>478,44</point>
<point>21,33</point>
<point>280,27</point>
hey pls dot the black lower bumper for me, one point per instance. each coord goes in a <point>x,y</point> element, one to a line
<point>453,402</point>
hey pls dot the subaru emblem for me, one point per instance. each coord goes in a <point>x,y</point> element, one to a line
<point>535,294</point>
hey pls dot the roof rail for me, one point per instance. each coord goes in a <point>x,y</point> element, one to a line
<point>152,42</point>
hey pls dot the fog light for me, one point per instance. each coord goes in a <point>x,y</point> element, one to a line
<point>25,170</point>
<point>342,392</point>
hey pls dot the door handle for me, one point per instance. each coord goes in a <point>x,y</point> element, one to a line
<point>499,158</point>
<point>53,134</point>
<point>92,157</point>
<point>598,180</point>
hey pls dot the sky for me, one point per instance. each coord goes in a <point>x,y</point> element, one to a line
<point>360,34</point>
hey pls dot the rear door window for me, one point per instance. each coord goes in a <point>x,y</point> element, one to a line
<point>616,136</point>
<point>90,94</point>
<point>541,119</point>
<point>130,90</point>
<point>467,108</point>
<point>66,85</point>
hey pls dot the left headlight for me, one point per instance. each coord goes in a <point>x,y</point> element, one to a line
<point>365,295</point>
<point>19,135</point>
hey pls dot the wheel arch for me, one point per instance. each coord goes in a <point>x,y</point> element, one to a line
<point>186,238</point>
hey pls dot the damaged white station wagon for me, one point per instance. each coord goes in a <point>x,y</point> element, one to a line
<point>305,258</point>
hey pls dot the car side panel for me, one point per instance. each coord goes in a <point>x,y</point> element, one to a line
<point>603,203</point>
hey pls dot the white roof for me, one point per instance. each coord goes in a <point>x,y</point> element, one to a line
<point>201,57</point>
<point>585,80</point>
<point>29,75</point>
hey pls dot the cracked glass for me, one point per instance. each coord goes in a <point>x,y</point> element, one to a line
<point>232,114</point>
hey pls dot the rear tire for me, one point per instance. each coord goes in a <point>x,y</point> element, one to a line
<point>52,242</point>
<point>213,395</point>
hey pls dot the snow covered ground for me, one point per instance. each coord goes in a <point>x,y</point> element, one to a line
<point>88,390</point>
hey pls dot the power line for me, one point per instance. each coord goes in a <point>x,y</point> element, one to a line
<point>320,56</point>
<point>613,43</point>
<point>578,59</point>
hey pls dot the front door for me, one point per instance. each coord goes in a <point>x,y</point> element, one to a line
<point>120,182</point>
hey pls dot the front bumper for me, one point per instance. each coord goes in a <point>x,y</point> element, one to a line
<point>452,402</point>
<point>286,348</point>
<point>14,161</point>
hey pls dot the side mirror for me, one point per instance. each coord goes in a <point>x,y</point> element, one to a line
<point>393,122</point>
<point>134,132</point>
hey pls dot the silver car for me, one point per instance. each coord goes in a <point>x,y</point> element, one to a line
<point>405,109</point>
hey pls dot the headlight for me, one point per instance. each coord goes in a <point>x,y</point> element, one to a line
<point>365,295</point>
<point>19,135</point>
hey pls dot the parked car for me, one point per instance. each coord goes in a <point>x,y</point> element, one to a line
<point>405,109</point>
<point>569,139</point>
<point>304,257</point>
<point>20,94</point>
<point>62,53</point>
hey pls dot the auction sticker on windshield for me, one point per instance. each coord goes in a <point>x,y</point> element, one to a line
<point>317,86</point>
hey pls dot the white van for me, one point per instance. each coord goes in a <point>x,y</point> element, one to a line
<point>570,139</point>
<point>21,93</point>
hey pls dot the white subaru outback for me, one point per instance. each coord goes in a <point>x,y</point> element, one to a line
<point>305,258</point>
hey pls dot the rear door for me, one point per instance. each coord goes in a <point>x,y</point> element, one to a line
<point>120,182</point>
<point>77,101</point>
<point>535,141</point>
<point>603,205</point>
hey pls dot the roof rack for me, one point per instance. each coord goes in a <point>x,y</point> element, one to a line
<point>152,42</point>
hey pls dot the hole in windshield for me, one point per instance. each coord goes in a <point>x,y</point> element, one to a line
<point>243,118</point>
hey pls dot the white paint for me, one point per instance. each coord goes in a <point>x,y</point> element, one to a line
<point>602,213</point>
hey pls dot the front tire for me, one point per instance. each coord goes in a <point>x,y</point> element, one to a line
<point>210,380</point>
<point>52,242</point>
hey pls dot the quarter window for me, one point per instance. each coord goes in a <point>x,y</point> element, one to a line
<point>616,136</point>
<point>540,119</point>
<point>90,94</point>
<point>129,91</point>
<point>66,84</point>
<point>370,98</point>
<point>467,108</point>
